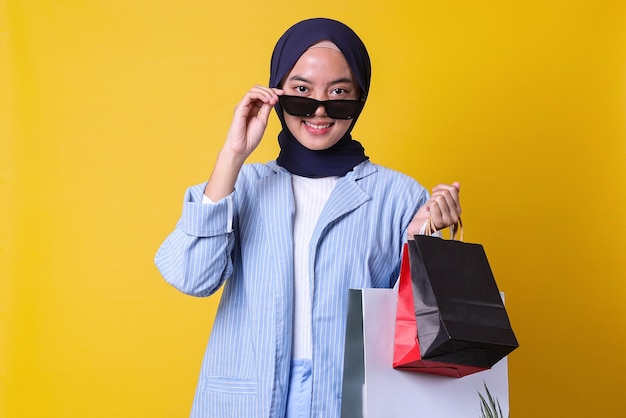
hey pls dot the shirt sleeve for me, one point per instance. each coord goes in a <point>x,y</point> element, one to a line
<point>196,257</point>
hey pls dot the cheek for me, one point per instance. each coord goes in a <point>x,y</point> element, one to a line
<point>291,122</point>
<point>342,126</point>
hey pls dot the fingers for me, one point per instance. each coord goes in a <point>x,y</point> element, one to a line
<point>444,205</point>
<point>251,117</point>
<point>258,101</point>
<point>448,194</point>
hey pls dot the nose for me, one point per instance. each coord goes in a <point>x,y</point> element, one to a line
<point>320,111</point>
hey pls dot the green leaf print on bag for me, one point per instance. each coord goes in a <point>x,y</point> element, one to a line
<point>489,407</point>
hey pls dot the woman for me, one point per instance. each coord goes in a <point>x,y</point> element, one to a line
<point>287,239</point>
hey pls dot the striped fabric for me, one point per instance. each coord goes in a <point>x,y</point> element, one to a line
<point>245,241</point>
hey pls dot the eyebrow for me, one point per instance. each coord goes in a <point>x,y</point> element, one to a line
<point>337,81</point>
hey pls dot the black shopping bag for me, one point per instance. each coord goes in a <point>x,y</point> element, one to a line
<point>462,325</point>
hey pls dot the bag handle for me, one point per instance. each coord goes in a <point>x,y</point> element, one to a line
<point>455,229</point>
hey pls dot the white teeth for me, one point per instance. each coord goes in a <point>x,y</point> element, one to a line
<point>318,126</point>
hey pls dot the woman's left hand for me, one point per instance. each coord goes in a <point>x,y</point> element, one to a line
<point>443,207</point>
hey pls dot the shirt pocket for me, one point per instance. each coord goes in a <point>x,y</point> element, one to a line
<point>230,385</point>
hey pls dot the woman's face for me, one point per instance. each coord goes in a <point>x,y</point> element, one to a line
<point>321,73</point>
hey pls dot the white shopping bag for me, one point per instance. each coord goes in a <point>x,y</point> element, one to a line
<point>372,388</point>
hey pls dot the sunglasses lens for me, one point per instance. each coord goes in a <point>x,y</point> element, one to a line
<point>298,106</point>
<point>336,109</point>
<point>343,109</point>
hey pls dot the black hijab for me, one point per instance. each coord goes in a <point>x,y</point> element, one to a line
<point>346,153</point>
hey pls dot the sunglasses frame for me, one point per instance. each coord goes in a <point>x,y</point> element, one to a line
<point>358,106</point>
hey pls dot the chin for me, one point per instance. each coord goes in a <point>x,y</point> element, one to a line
<point>317,145</point>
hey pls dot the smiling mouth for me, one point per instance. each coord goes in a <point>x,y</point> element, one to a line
<point>318,127</point>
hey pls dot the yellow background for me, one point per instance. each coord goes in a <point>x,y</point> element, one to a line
<point>111,108</point>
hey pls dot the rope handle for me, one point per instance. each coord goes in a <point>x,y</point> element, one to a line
<point>455,229</point>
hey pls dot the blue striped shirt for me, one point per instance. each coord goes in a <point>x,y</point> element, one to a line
<point>245,242</point>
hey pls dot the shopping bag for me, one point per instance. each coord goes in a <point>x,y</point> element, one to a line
<point>451,319</point>
<point>372,388</point>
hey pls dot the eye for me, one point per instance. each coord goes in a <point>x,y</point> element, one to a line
<point>301,89</point>
<point>339,91</point>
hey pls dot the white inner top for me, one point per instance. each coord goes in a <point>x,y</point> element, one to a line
<point>310,194</point>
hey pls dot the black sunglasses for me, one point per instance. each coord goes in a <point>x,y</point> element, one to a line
<point>335,109</point>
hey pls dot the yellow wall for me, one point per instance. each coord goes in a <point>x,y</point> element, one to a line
<point>111,108</point>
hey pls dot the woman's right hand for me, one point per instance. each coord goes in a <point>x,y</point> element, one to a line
<point>245,133</point>
<point>250,120</point>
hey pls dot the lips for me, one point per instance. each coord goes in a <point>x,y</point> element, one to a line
<point>317,128</point>
<point>317,125</point>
